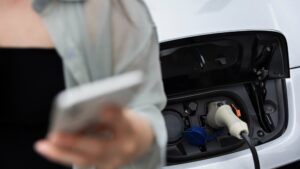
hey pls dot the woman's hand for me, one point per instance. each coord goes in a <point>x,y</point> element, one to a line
<point>130,137</point>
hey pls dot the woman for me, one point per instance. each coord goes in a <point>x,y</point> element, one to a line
<point>59,44</point>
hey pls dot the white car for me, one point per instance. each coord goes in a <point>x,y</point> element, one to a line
<point>242,52</point>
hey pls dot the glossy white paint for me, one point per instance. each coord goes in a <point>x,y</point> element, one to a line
<point>176,19</point>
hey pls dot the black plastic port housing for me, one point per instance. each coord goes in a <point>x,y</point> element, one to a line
<point>246,69</point>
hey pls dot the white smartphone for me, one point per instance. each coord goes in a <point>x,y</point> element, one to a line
<point>77,108</point>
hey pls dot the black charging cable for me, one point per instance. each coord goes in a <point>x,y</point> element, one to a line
<point>252,149</point>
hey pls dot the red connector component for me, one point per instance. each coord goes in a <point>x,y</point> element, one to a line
<point>236,111</point>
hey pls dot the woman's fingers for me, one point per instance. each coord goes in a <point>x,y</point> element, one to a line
<point>89,145</point>
<point>61,155</point>
<point>121,137</point>
<point>111,115</point>
<point>80,151</point>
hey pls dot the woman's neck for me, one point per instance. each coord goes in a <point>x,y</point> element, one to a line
<point>20,26</point>
<point>14,3</point>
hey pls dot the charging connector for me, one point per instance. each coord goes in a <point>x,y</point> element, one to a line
<point>221,115</point>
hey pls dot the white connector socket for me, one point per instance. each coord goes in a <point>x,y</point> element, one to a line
<point>223,116</point>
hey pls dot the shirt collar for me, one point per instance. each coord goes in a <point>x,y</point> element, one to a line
<point>40,5</point>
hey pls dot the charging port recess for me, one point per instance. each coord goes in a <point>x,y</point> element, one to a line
<point>245,70</point>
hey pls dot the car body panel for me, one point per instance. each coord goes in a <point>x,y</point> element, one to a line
<point>177,19</point>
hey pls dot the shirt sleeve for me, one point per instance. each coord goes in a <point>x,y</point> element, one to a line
<point>133,45</point>
<point>150,100</point>
<point>148,103</point>
<point>139,49</point>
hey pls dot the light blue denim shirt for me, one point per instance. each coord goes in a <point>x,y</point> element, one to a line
<point>101,38</point>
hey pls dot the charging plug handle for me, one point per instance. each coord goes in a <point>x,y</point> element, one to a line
<point>221,115</point>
